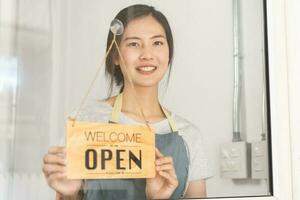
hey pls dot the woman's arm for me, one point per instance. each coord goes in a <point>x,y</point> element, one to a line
<point>196,189</point>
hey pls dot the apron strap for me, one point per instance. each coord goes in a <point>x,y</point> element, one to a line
<point>116,110</point>
<point>170,119</point>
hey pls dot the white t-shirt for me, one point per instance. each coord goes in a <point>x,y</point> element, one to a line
<point>200,168</point>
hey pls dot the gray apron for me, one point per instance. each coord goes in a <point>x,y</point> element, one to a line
<point>170,144</point>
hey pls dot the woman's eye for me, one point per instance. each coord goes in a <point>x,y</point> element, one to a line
<point>133,44</point>
<point>158,43</point>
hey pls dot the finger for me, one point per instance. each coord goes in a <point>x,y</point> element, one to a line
<point>173,172</point>
<point>171,180</point>
<point>166,167</point>
<point>50,169</point>
<point>57,150</point>
<point>158,154</point>
<point>164,160</point>
<point>54,159</point>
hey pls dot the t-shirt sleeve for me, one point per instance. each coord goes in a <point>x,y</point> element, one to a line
<point>200,166</point>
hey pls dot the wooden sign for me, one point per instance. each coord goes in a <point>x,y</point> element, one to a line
<point>108,151</point>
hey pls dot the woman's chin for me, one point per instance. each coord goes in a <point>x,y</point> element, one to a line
<point>146,84</point>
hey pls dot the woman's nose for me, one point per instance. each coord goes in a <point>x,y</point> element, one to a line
<point>146,53</point>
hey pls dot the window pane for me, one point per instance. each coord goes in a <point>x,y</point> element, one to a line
<point>215,88</point>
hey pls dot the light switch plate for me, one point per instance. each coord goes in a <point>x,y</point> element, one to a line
<point>259,160</point>
<point>235,160</point>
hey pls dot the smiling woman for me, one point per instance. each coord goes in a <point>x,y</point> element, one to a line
<point>138,65</point>
<point>145,50</point>
<point>147,34</point>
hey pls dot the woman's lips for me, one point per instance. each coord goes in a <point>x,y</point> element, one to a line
<point>146,69</point>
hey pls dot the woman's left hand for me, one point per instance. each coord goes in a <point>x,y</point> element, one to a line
<point>165,181</point>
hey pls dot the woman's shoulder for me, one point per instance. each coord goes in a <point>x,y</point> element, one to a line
<point>184,123</point>
<point>186,128</point>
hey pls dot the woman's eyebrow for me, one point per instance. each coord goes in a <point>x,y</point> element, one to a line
<point>138,38</point>
<point>132,38</point>
<point>158,36</point>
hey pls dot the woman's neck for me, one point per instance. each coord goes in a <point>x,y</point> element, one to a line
<point>145,98</point>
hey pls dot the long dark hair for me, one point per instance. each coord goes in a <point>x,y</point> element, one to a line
<point>112,71</point>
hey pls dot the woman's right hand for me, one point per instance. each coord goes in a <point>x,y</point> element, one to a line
<point>54,169</point>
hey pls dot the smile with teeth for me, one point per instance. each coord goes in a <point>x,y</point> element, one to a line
<point>146,68</point>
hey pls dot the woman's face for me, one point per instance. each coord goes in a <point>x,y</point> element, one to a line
<point>145,51</point>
